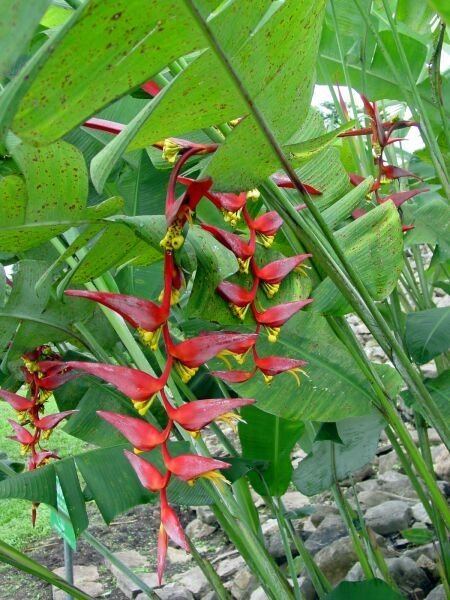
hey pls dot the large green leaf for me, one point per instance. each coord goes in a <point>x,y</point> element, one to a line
<point>31,318</point>
<point>375,589</point>
<point>373,243</point>
<point>49,199</point>
<point>329,462</point>
<point>333,388</point>
<point>17,24</point>
<point>428,333</point>
<point>441,6</point>
<point>269,438</point>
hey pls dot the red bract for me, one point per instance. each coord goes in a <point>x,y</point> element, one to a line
<point>140,387</point>
<point>19,403</point>
<point>276,316</point>
<point>190,467</point>
<point>196,189</point>
<point>148,474</point>
<point>237,296</point>
<point>393,172</point>
<point>138,432</point>
<point>235,376</point>
<point>151,88</point>
<point>104,125</point>
<point>51,421</point>
<point>170,527</point>
<point>398,198</point>
<point>196,415</point>
<point>274,365</point>
<point>356,179</point>
<point>242,249</point>
<point>39,459</point>
<point>266,226</point>
<point>23,436</point>
<point>273,273</point>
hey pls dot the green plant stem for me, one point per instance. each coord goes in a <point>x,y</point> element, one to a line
<point>358,297</point>
<point>209,573</point>
<point>428,302</point>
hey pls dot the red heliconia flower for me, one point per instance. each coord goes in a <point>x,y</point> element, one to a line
<point>242,249</point>
<point>141,434</point>
<point>194,352</point>
<point>283,181</point>
<point>359,212</point>
<point>266,226</point>
<point>51,421</point>
<point>230,204</point>
<point>151,88</point>
<point>235,376</point>
<point>406,228</point>
<point>22,435</point>
<point>39,459</point>
<point>148,474</point>
<point>393,172</point>
<point>196,415</point>
<point>398,198</point>
<point>19,403</point>
<point>140,387</point>
<point>273,273</point>
<point>356,179</point>
<point>55,379</point>
<point>147,317</point>
<point>190,467</point>
<point>238,297</point>
<point>378,134</point>
<point>196,189</point>
<point>170,528</point>
<point>274,365</point>
<point>274,317</point>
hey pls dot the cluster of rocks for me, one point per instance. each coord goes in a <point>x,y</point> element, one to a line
<point>385,496</point>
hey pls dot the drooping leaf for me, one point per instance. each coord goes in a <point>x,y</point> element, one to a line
<point>329,461</point>
<point>428,333</point>
<point>269,438</point>
<point>373,244</point>
<point>374,589</point>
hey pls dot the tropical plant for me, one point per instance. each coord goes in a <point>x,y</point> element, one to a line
<point>182,239</point>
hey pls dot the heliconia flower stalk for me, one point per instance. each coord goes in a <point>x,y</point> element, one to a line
<point>141,434</point>
<point>170,528</point>
<point>190,467</point>
<point>196,415</point>
<point>148,474</point>
<point>19,403</point>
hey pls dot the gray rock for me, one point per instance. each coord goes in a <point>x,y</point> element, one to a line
<point>330,529</point>
<point>206,515</point>
<point>295,500</point>
<point>396,483</point>
<point>441,461</point>
<point>369,485</point>
<point>427,549</point>
<point>336,559</point>
<point>259,594</point>
<point>389,517</point>
<point>243,584</point>
<point>438,593</point>
<point>86,578</point>
<point>133,560</point>
<point>171,591</point>
<point>210,596</point>
<point>388,462</point>
<point>274,543</point>
<point>194,581</point>
<point>306,588</point>
<point>420,514</point>
<point>369,499</point>
<point>406,574</point>
<point>198,530</point>
<point>321,511</point>
<point>429,566</point>
<point>230,566</point>
<point>177,556</point>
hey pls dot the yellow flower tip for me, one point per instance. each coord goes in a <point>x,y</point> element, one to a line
<point>265,240</point>
<point>253,194</point>
<point>142,406</point>
<point>175,297</point>
<point>234,122</point>
<point>173,240</point>
<point>47,434</point>
<point>149,338</point>
<point>231,217</point>
<point>194,434</point>
<point>239,311</point>
<point>243,265</point>
<point>223,356</point>
<point>185,373</point>
<point>267,378</point>
<point>32,366</point>
<point>137,451</point>
<point>272,334</point>
<point>177,242</point>
<point>271,289</point>
<point>23,449</point>
<point>301,269</point>
<point>44,395</point>
<point>231,419</point>
<point>294,372</point>
<point>170,151</point>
